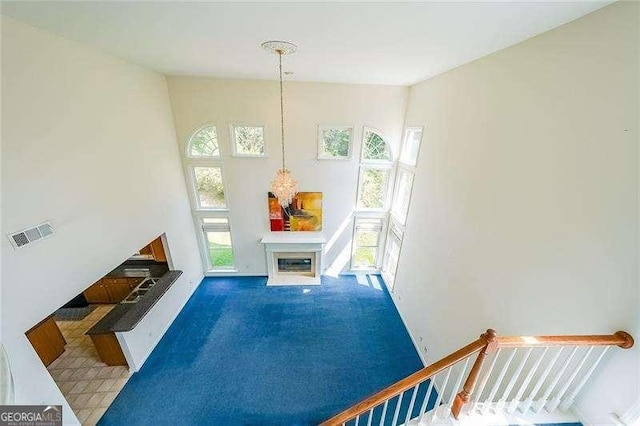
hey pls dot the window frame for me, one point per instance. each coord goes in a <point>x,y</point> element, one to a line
<point>204,241</point>
<point>187,151</point>
<point>196,206</point>
<point>321,151</point>
<point>381,135</point>
<point>404,145</point>
<point>390,235</point>
<point>387,189</point>
<point>396,191</point>
<point>232,140</point>
<point>381,241</point>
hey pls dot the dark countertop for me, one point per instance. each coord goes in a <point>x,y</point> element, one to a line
<point>156,269</point>
<point>125,316</point>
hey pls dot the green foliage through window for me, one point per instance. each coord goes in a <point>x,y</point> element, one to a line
<point>220,251</point>
<point>210,187</point>
<point>335,143</point>
<point>373,188</point>
<point>204,143</point>
<point>249,140</point>
<point>375,148</point>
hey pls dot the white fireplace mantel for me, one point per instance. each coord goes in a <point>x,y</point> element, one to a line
<point>293,242</point>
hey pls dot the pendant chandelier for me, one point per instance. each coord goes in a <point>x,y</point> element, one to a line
<point>284,187</point>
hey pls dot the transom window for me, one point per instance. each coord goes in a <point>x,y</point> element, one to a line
<point>203,143</point>
<point>374,147</point>
<point>248,141</point>
<point>334,142</point>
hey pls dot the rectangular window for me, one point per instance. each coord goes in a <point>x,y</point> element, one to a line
<point>373,187</point>
<point>217,237</point>
<point>402,196</point>
<point>209,187</point>
<point>248,141</point>
<point>411,145</point>
<point>366,238</point>
<point>392,254</point>
<point>334,142</point>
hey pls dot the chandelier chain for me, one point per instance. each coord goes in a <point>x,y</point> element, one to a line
<point>281,108</point>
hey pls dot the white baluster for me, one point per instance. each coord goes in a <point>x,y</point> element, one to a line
<point>397,412</point>
<point>568,402</point>
<point>496,385</point>
<point>413,400</point>
<point>384,412</point>
<point>515,376</point>
<point>478,394</point>
<point>537,406</point>
<point>553,404</point>
<point>370,419</point>
<point>357,420</point>
<point>516,400</point>
<point>427,397</point>
<point>440,394</point>
<point>529,401</point>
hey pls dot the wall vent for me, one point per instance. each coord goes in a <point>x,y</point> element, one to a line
<point>26,236</point>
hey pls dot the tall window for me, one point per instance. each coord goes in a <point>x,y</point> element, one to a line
<point>218,243</point>
<point>400,204</point>
<point>375,171</point>
<point>366,241</point>
<point>376,162</point>
<point>209,205</point>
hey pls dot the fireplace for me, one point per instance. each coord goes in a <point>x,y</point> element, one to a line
<point>293,258</point>
<point>295,263</point>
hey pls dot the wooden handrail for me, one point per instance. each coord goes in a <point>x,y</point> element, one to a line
<point>487,343</point>
<point>619,338</point>
<point>407,383</point>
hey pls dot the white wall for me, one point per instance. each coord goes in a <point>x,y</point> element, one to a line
<point>197,101</point>
<point>524,214</point>
<point>89,144</point>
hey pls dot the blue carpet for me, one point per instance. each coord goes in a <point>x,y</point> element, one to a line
<point>240,353</point>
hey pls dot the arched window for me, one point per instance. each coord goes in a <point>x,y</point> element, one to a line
<point>203,143</point>
<point>375,148</point>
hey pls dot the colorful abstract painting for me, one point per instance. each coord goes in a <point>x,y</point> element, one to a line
<point>303,214</point>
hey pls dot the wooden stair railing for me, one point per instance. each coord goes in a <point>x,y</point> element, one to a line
<point>491,344</point>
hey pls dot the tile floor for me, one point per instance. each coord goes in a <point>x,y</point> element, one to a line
<point>87,383</point>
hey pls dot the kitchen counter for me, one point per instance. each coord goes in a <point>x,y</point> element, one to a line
<point>125,316</point>
<point>128,269</point>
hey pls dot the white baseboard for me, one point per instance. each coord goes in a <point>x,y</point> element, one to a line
<point>413,340</point>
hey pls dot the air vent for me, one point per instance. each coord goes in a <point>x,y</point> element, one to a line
<point>26,236</point>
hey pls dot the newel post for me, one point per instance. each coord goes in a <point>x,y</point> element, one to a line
<point>463,397</point>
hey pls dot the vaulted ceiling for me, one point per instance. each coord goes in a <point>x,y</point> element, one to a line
<point>377,43</point>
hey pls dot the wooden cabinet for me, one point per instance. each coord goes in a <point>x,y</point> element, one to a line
<point>47,340</point>
<point>111,290</point>
<point>157,250</point>
<point>109,349</point>
<point>97,293</point>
